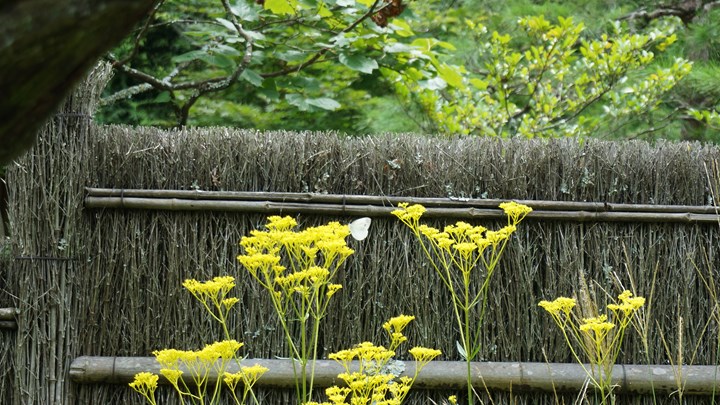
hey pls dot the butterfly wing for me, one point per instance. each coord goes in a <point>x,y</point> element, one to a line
<point>359,228</point>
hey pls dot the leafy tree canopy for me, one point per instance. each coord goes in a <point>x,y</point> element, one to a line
<point>457,67</point>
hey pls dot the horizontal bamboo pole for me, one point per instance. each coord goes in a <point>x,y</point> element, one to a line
<point>8,314</point>
<point>280,208</point>
<point>394,201</point>
<point>8,325</point>
<point>698,380</point>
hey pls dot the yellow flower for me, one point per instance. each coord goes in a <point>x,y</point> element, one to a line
<point>145,384</point>
<point>336,394</point>
<point>397,338</point>
<point>515,212</point>
<point>212,289</point>
<point>409,214</point>
<point>459,229</point>
<point>465,249</point>
<point>599,325</point>
<point>277,223</point>
<point>252,373</point>
<point>398,323</point>
<point>561,304</point>
<point>423,354</point>
<point>343,355</point>
<point>332,289</point>
<point>625,295</point>
<point>632,303</point>
<point>258,261</point>
<point>303,290</point>
<point>444,243</point>
<point>145,381</point>
<point>229,302</point>
<point>225,349</point>
<point>171,375</point>
<point>452,399</point>
<point>169,358</point>
<point>428,231</point>
<point>232,379</point>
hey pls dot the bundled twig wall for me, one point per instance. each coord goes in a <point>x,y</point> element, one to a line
<point>47,233</point>
<point>117,290</point>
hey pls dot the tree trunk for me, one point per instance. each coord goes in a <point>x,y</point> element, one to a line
<point>46,46</point>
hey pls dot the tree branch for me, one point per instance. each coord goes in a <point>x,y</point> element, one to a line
<point>686,11</point>
<point>315,58</point>
<point>47,46</point>
<point>226,82</point>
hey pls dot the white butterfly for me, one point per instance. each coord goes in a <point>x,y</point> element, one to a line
<point>359,228</point>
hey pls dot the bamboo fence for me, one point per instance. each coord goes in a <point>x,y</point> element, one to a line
<point>505,376</point>
<point>96,273</point>
<point>338,205</point>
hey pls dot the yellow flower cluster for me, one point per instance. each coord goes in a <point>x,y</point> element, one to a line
<point>213,358</point>
<point>455,253</point>
<point>248,375</point>
<point>209,289</point>
<point>515,212</point>
<point>599,338</point>
<point>462,244</point>
<point>366,352</point>
<point>424,355</point>
<point>409,214</point>
<point>278,223</point>
<point>314,256</point>
<point>395,327</point>
<point>145,384</point>
<point>598,325</point>
<point>560,304</point>
<point>628,304</point>
<point>296,268</point>
<point>199,362</point>
<point>373,382</point>
<point>214,292</point>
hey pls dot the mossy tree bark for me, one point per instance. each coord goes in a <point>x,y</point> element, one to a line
<point>46,46</point>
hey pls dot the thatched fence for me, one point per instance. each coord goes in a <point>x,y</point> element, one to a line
<point>107,221</point>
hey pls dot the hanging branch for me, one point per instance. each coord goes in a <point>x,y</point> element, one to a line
<point>202,87</point>
<point>198,87</point>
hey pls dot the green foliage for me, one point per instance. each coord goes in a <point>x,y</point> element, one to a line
<point>437,66</point>
<point>546,87</point>
<point>301,63</point>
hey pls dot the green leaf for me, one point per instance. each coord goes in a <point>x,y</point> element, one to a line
<point>434,84</point>
<point>324,103</point>
<point>227,24</point>
<point>221,61</point>
<point>450,75</point>
<point>163,97</point>
<point>358,62</point>
<point>226,50</point>
<point>189,56</point>
<point>298,101</point>
<point>401,28</point>
<point>461,350</point>
<point>398,47</point>
<point>280,7</point>
<point>252,77</point>
<point>245,11</point>
<point>292,56</point>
